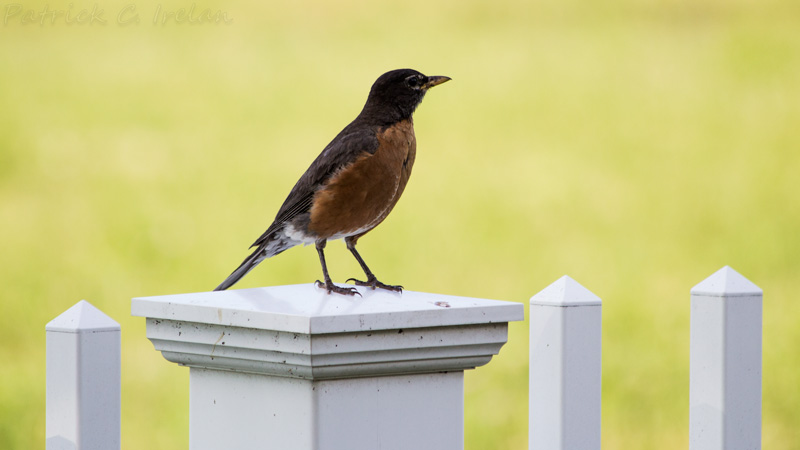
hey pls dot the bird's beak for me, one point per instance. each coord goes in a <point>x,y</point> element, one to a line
<point>435,81</point>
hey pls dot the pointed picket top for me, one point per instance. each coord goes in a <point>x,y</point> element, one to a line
<point>726,282</point>
<point>565,292</point>
<point>82,317</point>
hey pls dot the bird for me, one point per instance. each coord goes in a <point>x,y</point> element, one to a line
<point>353,184</point>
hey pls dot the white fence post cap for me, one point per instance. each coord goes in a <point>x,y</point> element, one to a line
<point>565,292</point>
<point>726,282</point>
<point>300,331</point>
<point>82,317</point>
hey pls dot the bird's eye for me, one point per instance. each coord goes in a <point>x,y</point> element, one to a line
<point>413,81</point>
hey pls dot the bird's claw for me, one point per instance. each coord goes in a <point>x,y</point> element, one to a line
<point>373,283</point>
<point>330,287</point>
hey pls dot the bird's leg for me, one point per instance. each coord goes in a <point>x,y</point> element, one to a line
<point>328,284</point>
<point>371,280</point>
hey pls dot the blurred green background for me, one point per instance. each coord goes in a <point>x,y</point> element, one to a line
<point>637,146</point>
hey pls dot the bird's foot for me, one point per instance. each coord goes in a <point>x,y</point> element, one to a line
<point>373,283</point>
<point>330,287</point>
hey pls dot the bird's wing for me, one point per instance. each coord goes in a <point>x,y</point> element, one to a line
<point>343,150</point>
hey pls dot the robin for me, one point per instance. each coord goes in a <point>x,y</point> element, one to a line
<point>353,184</point>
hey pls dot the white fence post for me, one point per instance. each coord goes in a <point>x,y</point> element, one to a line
<point>83,380</point>
<point>291,367</point>
<point>565,368</point>
<point>725,363</point>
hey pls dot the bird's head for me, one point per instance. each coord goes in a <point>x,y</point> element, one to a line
<point>397,94</point>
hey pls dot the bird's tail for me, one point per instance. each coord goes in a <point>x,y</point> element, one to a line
<point>246,266</point>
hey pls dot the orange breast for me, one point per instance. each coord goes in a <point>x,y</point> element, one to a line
<point>362,194</point>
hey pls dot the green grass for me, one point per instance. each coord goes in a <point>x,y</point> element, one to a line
<point>636,146</point>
